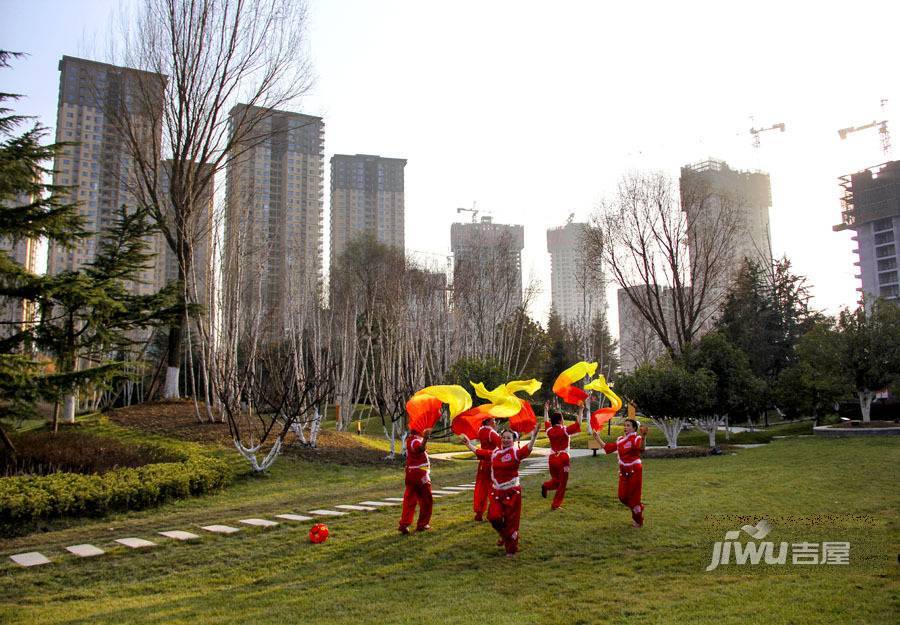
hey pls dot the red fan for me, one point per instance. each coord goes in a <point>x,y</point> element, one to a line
<point>470,421</point>
<point>424,411</point>
<point>524,421</point>
<point>600,417</point>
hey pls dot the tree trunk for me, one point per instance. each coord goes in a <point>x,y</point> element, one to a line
<point>712,437</point>
<point>865,404</point>
<point>671,428</point>
<point>68,409</point>
<point>56,416</point>
<point>7,443</point>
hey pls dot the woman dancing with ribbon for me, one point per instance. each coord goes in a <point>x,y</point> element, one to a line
<point>505,508</point>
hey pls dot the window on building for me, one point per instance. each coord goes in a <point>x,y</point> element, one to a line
<point>882,224</point>
<point>892,290</point>
<point>884,237</point>
<point>885,250</point>
<point>887,277</point>
<point>887,263</point>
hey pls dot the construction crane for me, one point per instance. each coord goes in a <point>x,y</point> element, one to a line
<point>756,132</point>
<point>472,210</point>
<point>882,130</point>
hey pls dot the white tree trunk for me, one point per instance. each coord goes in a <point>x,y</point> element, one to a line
<point>709,425</point>
<point>314,427</point>
<point>865,404</point>
<point>671,428</point>
<point>170,391</point>
<point>68,409</point>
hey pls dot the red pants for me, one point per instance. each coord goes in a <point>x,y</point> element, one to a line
<point>418,490</point>
<point>630,482</point>
<point>504,513</point>
<point>482,487</point>
<point>559,477</point>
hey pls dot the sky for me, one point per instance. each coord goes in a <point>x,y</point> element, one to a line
<point>534,110</point>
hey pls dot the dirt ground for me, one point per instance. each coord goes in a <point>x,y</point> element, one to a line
<point>177,419</point>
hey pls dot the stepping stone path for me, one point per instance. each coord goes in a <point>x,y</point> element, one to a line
<point>179,535</point>
<point>85,551</point>
<point>294,517</point>
<point>135,543</point>
<point>32,558</point>
<point>220,529</point>
<point>259,522</point>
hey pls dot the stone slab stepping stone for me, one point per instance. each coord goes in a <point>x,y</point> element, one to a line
<point>294,517</point>
<point>396,499</point>
<point>456,488</point>
<point>442,492</point>
<point>220,529</point>
<point>357,508</point>
<point>259,522</point>
<point>32,558</point>
<point>378,503</point>
<point>85,551</point>
<point>135,543</point>
<point>179,535</point>
<point>327,512</point>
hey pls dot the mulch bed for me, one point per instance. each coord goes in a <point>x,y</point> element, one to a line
<point>177,419</point>
<point>681,452</point>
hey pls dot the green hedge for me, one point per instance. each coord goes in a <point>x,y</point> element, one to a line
<point>24,500</point>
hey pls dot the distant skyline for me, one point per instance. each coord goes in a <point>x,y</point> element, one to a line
<point>535,111</point>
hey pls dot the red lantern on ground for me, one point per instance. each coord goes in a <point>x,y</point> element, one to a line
<point>318,533</point>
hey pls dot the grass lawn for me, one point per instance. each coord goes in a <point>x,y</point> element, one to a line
<point>582,564</point>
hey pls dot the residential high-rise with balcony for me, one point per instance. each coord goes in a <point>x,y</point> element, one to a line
<point>16,313</point>
<point>871,208</point>
<point>94,100</point>
<point>724,202</point>
<point>274,211</point>
<point>366,198</point>
<point>199,233</point>
<point>487,260</point>
<point>576,287</point>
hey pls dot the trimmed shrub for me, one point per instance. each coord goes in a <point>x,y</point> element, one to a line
<point>25,500</point>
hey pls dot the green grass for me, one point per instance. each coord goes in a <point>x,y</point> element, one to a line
<point>582,564</point>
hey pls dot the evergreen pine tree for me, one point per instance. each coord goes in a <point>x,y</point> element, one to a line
<point>29,208</point>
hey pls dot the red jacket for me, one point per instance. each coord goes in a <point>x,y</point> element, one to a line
<point>416,456</point>
<point>628,448</point>
<point>488,438</point>
<point>505,465</point>
<point>559,435</point>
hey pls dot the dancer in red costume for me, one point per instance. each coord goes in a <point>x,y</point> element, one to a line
<point>559,462</point>
<point>418,483</point>
<point>629,448</point>
<point>490,440</point>
<point>505,509</point>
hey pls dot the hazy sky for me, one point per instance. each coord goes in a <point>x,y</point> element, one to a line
<point>535,109</point>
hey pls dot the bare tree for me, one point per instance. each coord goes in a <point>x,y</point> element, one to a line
<point>209,55</point>
<point>670,252</point>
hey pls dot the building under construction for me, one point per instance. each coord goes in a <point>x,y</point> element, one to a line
<point>871,207</point>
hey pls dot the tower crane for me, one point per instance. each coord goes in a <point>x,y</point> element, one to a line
<point>756,132</point>
<point>882,130</point>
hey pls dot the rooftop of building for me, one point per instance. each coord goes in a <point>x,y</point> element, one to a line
<point>108,66</point>
<point>366,157</point>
